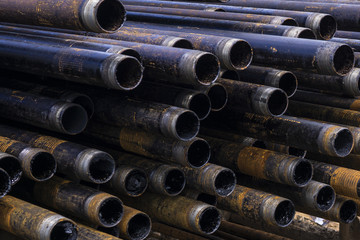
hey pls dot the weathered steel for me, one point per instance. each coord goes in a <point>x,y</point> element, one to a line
<point>265,164</point>
<point>91,15</point>
<point>163,178</point>
<point>259,206</point>
<point>211,179</point>
<point>199,196</point>
<point>354,43</point>
<point>295,132</point>
<point>284,80</point>
<point>37,164</point>
<point>249,97</point>
<point>351,161</point>
<point>87,233</point>
<point>175,232</point>
<point>285,149</point>
<point>192,153</point>
<point>324,25</point>
<point>331,58</point>
<point>134,225</point>
<point>74,160</point>
<point>82,202</point>
<point>178,211</point>
<point>44,224</point>
<point>347,85</point>
<point>233,53</point>
<point>44,112</point>
<point>217,94</point>
<point>240,26</point>
<point>347,34</point>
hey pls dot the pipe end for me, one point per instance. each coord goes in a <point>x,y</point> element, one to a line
<point>225,182</point>
<point>348,211</point>
<point>209,220</point>
<point>139,226</point>
<point>325,198</point>
<point>136,182</point>
<point>177,42</point>
<point>110,211</point>
<point>301,172</point>
<point>235,54</point>
<point>5,183</point>
<point>278,211</point>
<point>300,32</point>
<point>198,153</point>
<point>336,141</point>
<point>286,21</point>
<point>218,96</point>
<point>12,166</point>
<point>352,83</point>
<point>174,181</point>
<point>64,230</point>
<point>270,101</point>
<point>324,25</point>
<point>80,99</point>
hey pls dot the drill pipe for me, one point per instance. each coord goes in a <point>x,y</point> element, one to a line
<point>258,205</point>
<point>163,179</point>
<point>295,132</point>
<point>347,85</point>
<point>276,20</point>
<point>229,25</point>
<point>347,34</point>
<point>313,198</point>
<point>285,149</point>
<point>192,153</point>
<point>194,100</point>
<point>166,120</point>
<point>324,113</point>
<point>36,163</point>
<point>173,232</point>
<point>44,112</point>
<point>327,100</point>
<point>87,233</point>
<point>44,224</point>
<point>73,160</point>
<point>80,201</point>
<point>128,180</point>
<point>354,43</point>
<point>331,58</point>
<point>49,91</point>
<point>179,212</point>
<point>233,53</point>
<point>264,164</point>
<point>249,97</point>
<point>345,181</point>
<point>351,161</point>
<point>5,183</point>
<point>12,166</point>
<point>211,179</point>
<point>199,196</point>
<point>284,80</point>
<point>217,94</point>
<point>324,25</point>
<point>93,15</point>
<point>134,225</point>
<point>357,59</point>
<point>349,21</point>
<point>97,68</point>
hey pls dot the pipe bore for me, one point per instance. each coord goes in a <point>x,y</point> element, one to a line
<point>187,125</point>
<point>174,182</point>
<point>42,166</point>
<point>110,15</point>
<point>206,68</point>
<point>225,182</point>
<point>325,198</point>
<point>277,102</point>
<point>348,211</point>
<point>343,142</point>
<point>241,55</point>
<point>5,183</point>
<point>136,182</point>
<point>12,166</point>
<point>302,173</point>
<point>200,104</point>
<point>139,226</point>
<point>64,230</point>
<point>110,211</point>
<point>218,96</point>
<point>129,73</point>
<point>284,213</point>
<point>209,220</point>
<point>73,119</point>
<point>288,83</point>
<point>101,168</point>
<point>343,60</point>
<point>198,153</point>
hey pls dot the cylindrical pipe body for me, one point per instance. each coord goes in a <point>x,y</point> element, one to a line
<point>74,160</point>
<point>347,34</point>
<point>259,206</point>
<point>199,196</point>
<point>351,161</point>
<point>265,164</point>
<point>249,97</point>
<point>295,132</point>
<point>134,225</point>
<point>44,224</point>
<point>87,233</point>
<point>193,153</point>
<point>217,94</point>
<point>285,149</point>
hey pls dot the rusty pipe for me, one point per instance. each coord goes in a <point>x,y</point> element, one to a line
<point>134,225</point>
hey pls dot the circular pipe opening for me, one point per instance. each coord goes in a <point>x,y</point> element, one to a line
<point>129,73</point>
<point>73,119</point>
<point>183,43</point>
<point>284,213</point>
<point>278,102</point>
<point>200,105</point>
<point>225,182</point>
<point>325,198</point>
<point>348,211</point>
<point>302,173</point>
<point>198,153</point>
<point>328,27</point>
<point>43,166</point>
<point>288,83</point>
<point>85,102</point>
<point>136,182</point>
<point>343,60</point>
<point>64,230</point>
<point>5,182</point>
<point>101,169</point>
<point>139,227</point>
<point>297,152</point>
<point>110,15</point>
<point>207,198</point>
<point>230,74</point>
<point>110,212</point>
<point>241,55</point>
<point>209,220</point>
<point>13,168</point>
<point>132,53</point>
<point>218,97</point>
<point>307,33</point>
<point>187,125</point>
<point>207,68</point>
<point>343,142</point>
<point>174,182</point>
<point>290,22</point>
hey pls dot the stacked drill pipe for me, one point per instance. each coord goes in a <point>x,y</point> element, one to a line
<point>323,25</point>
<point>74,160</point>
